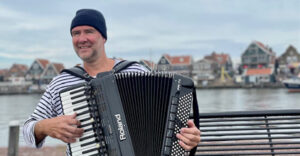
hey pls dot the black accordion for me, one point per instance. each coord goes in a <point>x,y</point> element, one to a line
<point>130,113</point>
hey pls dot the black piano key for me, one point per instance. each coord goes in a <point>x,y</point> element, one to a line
<point>82,113</point>
<point>82,107</point>
<point>85,119</point>
<point>77,96</point>
<point>90,129</point>
<point>90,150</point>
<point>89,143</point>
<point>77,91</point>
<point>88,137</point>
<point>82,100</point>
<point>84,125</point>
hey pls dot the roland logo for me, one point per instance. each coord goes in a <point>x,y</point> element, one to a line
<point>120,127</point>
<point>179,84</point>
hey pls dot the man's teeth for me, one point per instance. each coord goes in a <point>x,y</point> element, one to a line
<point>83,47</point>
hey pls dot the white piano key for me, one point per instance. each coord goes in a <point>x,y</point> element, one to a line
<point>68,92</point>
<point>81,117</point>
<point>70,109</point>
<point>87,121</point>
<point>75,144</point>
<point>91,153</point>
<point>71,106</point>
<point>69,97</point>
<point>81,149</point>
<point>73,100</point>
<point>79,111</point>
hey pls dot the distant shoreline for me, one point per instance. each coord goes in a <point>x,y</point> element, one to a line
<point>44,151</point>
<point>269,86</point>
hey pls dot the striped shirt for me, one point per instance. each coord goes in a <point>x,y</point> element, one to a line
<point>50,106</point>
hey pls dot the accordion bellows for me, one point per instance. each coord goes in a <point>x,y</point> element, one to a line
<point>136,113</point>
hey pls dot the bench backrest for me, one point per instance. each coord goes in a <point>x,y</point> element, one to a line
<point>274,132</point>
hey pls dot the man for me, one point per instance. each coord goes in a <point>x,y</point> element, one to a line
<point>88,31</point>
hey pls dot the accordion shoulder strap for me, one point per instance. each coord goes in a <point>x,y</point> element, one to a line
<point>195,117</point>
<point>80,72</point>
<point>123,65</point>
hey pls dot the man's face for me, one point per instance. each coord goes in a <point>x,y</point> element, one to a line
<point>88,43</point>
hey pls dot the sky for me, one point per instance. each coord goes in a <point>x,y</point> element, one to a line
<point>140,29</point>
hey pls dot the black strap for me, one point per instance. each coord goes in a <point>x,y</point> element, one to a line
<point>123,65</point>
<point>195,117</point>
<point>80,72</point>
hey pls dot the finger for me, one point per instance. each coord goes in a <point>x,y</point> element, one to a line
<point>194,131</point>
<point>189,141</point>
<point>76,132</point>
<point>68,140</point>
<point>72,116</point>
<point>190,123</point>
<point>185,146</point>
<point>74,122</point>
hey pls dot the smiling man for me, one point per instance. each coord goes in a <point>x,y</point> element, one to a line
<point>88,31</point>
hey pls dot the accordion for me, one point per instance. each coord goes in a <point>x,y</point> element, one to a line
<point>130,113</point>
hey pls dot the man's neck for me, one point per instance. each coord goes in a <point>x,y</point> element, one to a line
<point>102,65</point>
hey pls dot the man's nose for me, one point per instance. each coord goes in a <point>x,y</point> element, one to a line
<point>82,38</point>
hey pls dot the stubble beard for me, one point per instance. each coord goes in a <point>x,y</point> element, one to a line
<point>90,58</point>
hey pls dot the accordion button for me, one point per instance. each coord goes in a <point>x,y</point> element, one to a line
<point>174,100</point>
<point>169,133</point>
<point>168,142</point>
<point>171,125</point>
<point>167,150</point>
<point>172,116</point>
<point>173,108</point>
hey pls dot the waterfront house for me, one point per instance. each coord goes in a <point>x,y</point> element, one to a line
<point>204,71</point>
<point>52,70</point>
<point>225,66</point>
<point>36,69</point>
<point>177,64</point>
<point>259,76</point>
<point>148,64</point>
<point>16,73</point>
<point>3,75</point>
<point>289,62</point>
<point>257,55</point>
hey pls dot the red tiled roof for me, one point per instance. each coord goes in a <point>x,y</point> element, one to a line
<point>43,62</point>
<point>263,47</point>
<point>58,67</point>
<point>3,71</point>
<point>219,58</point>
<point>149,63</point>
<point>263,71</point>
<point>18,67</point>
<point>175,60</point>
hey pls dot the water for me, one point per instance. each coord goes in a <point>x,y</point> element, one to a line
<point>19,107</point>
<point>220,100</point>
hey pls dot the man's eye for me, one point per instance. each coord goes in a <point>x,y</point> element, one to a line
<point>75,33</point>
<point>89,31</point>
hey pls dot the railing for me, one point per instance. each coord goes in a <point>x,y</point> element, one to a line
<point>250,133</point>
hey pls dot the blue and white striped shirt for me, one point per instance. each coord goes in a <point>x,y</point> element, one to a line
<point>50,106</point>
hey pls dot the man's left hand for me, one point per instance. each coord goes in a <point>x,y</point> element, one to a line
<point>189,137</point>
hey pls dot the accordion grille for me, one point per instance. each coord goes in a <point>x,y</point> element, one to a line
<point>145,102</point>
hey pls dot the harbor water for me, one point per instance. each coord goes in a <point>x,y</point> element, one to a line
<point>19,107</point>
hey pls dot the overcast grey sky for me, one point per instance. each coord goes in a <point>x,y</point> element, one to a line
<point>147,29</point>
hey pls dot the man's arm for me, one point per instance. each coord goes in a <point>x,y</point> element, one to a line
<point>62,127</point>
<point>189,137</point>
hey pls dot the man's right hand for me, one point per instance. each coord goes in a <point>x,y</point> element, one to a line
<point>63,128</point>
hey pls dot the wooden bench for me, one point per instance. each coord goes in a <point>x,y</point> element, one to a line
<point>274,132</point>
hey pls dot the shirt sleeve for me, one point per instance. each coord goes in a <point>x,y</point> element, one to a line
<point>43,110</point>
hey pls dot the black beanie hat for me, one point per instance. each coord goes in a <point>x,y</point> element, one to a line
<point>92,18</point>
